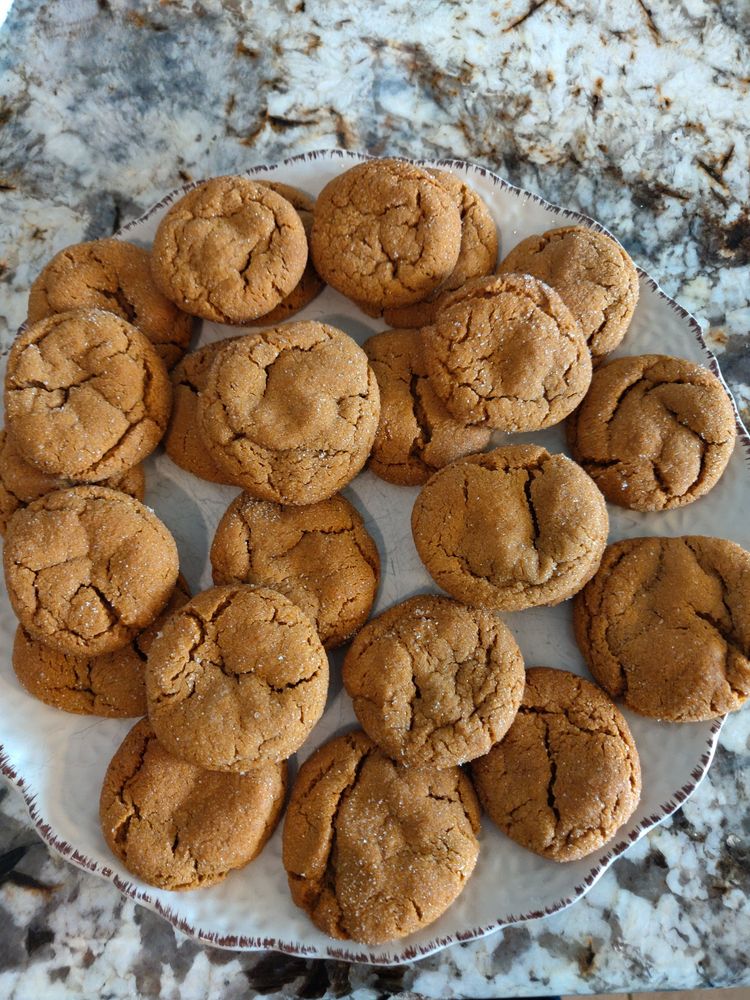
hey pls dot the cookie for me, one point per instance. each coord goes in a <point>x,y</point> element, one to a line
<point>111,685</point>
<point>116,276</point>
<point>434,683</point>
<point>177,826</point>
<point>291,413</point>
<point>511,356</point>
<point>592,273</point>
<point>238,677</point>
<point>566,776</point>
<point>665,626</point>
<point>229,251</point>
<point>319,556</point>
<point>374,851</point>
<point>86,395</point>
<point>416,434</point>
<point>653,432</point>
<point>510,529</point>
<point>477,255</point>
<point>88,568</point>
<point>20,483</point>
<point>385,233</point>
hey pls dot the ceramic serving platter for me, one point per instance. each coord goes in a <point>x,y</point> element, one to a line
<point>58,760</point>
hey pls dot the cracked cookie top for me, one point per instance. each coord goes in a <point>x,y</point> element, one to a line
<point>319,556</point>
<point>416,434</point>
<point>177,826</point>
<point>566,776</point>
<point>653,432</point>
<point>507,353</point>
<point>291,413</point>
<point>385,233</point>
<point>510,529</point>
<point>229,251</point>
<point>115,276</point>
<point>665,626</point>
<point>86,395</point>
<point>237,677</point>
<point>594,276</point>
<point>374,851</point>
<point>88,568</point>
<point>434,683</point>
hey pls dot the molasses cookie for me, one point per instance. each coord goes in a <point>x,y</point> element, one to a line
<point>416,434</point>
<point>238,677</point>
<point>291,413</point>
<point>374,851</point>
<point>511,356</point>
<point>566,776</point>
<point>510,529</point>
<point>665,626</point>
<point>434,683</point>
<point>86,395</point>
<point>230,250</point>
<point>88,568</point>
<point>653,432</point>
<point>319,556</point>
<point>177,826</point>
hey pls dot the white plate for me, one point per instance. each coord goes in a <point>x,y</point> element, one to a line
<point>58,760</point>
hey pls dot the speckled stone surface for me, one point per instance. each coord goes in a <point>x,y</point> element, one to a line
<point>633,113</point>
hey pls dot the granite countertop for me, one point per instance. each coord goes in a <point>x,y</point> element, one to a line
<point>636,116</point>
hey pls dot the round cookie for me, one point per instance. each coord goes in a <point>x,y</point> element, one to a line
<point>88,568</point>
<point>319,556</point>
<point>434,683</point>
<point>416,434</point>
<point>291,413</point>
<point>385,233</point>
<point>111,685</point>
<point>510,529</point>
<point>115,276</point>
<point>477,256</point>
<point>665,626</point>
<point>511,356</point>
<point>653,432</point>
<point>238,677</point>
<point>177,826</point>
<point>86,395</point>
<point>566,776</point>
<point>21,483</point>
<point>593,275</point>
<point>230,250</point>
<point>374,851</point>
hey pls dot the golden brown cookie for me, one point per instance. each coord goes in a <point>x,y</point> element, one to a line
<point>291,413</point>
<point>374,851</point>
<point>477,256</point>
<point>416,434</point>
<point>511,356</point>
<point>653,432</point>
<point>230,250</point>
<point>594,276</point>
<point>237,677</point>
<point>88,568</point>
<point>111,685</point>
<point>86,395</point>
<point>177,826</point>
<point>566,776</point>
<point>20,483</point>
<point>665,626</point>
<point>385,233</point>
<point>116,276</point>
<point>513,528</point>
<point>319,556</point>
<point>434,683</point>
